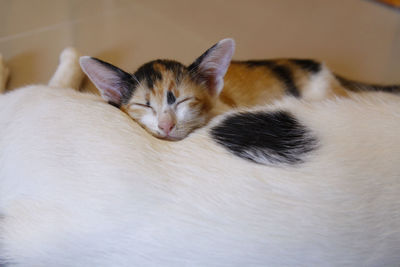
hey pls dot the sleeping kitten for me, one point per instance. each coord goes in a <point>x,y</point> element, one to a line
<point>170,99</point>
<point>81,184</point>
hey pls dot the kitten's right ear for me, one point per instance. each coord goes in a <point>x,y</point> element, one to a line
<point>114,84</point>
<point>210,67</point>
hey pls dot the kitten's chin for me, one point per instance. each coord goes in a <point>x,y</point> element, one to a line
<point>171,138</point>
<point>158,135</point>
<point>168,137</point>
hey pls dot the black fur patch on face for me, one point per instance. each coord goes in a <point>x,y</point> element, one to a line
<point>173,66</point>
<point>265,137</point>
<point>150,74</point>
<point>283,73</point>
<point>307,65</point>
<point>170,98</point>
<point>147,73</point>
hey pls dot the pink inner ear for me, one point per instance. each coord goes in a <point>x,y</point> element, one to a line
<point>108,86</point>
<point>215,65</point>
<point>104,78</point>
<point>112,96</point>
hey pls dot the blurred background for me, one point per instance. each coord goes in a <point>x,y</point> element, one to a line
<point>359,39</point>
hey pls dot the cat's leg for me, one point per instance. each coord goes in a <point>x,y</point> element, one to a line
<point>68,73</point>
<point>4,73</point>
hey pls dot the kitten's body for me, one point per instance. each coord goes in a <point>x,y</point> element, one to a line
<point>170,99</point>
<point>261,82</point>
<point>82,185</point>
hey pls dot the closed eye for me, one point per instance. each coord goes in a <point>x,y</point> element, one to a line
<point>140,105</point>
<point>185,99</point>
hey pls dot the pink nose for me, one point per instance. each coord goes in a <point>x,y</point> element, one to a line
<point>166,126</point>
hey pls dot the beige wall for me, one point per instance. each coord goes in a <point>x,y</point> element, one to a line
<point>356,38</point>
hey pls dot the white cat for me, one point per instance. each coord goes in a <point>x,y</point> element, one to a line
<point>81,184</point>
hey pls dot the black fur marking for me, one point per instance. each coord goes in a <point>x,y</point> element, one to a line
<point>308,65</point>
<point>359,86</point>
<point>114,104</point>
<point>286,76</point>
<point>170,98</point>
<point>125,81</point>
<point>265,137</point>
<point>259,63</point>
<point>175,67</point>
<point>147,73</point>
<point>282,72</point>
<point>171,65</point>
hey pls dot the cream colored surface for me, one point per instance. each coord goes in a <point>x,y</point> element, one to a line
<point>358,39</point>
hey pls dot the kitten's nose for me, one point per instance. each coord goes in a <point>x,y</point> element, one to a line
<point>166,126</point>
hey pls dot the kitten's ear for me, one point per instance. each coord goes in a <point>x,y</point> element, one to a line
<point>210,67</point>
<point>114,84</point>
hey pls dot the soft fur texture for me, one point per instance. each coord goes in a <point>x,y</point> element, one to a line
<point>82,185</point>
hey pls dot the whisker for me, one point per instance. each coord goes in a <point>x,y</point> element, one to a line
<point>134,77</point>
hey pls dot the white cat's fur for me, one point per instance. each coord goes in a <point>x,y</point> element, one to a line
<point>82,185</point>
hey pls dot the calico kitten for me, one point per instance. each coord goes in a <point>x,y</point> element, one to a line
<point>170,99</point>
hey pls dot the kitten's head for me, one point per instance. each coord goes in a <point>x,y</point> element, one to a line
<point>165,97</point>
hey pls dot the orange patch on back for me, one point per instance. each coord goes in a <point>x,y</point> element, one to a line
<point>227,99</point>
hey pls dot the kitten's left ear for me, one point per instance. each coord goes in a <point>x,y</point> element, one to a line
<point>210,67</point>
<point>114,84</point>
